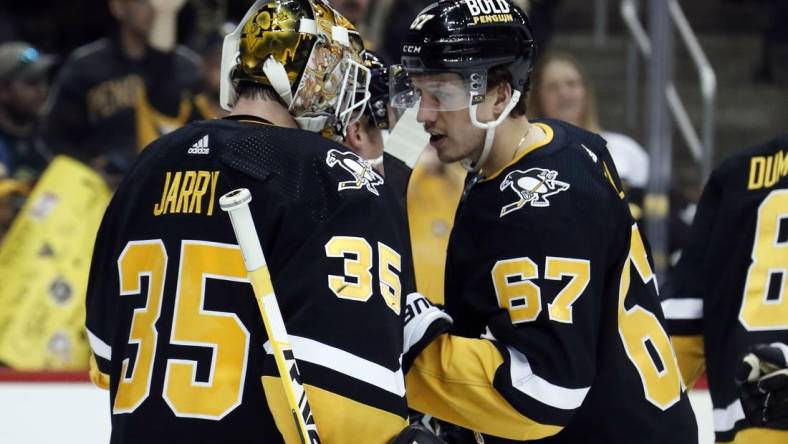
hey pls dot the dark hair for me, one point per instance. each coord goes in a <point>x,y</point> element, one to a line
<point>500,74</point>
<point>254,90</point>
<point>367,121</point>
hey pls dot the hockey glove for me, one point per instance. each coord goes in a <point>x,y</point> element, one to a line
<point>762,376</point>
<point>423,323</point>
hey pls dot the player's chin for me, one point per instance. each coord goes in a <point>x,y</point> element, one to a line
<point>446,156</point>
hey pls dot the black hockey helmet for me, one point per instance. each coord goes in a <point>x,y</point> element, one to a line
<point>450,49</point>
<point>469,38</point>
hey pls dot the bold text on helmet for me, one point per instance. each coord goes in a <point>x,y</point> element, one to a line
<point>478,7</point>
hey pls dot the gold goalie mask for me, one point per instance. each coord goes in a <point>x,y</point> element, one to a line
<point>311,56</point>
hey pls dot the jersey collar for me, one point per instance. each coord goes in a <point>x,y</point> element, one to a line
<point>547,129</point>
<point>246,118</point>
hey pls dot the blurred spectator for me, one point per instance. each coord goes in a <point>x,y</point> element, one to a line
<point>23,88</point>
<point>775,36</point>
<point>560,90</point>
<point>117,94</point>
<point>209,48</point>
<point>353,10</point>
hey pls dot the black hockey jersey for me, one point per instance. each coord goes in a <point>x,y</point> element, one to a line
<point>730,287</point>
<point>546,265</point>
<point>172,320</point>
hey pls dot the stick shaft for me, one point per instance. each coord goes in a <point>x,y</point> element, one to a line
<point>236,204</point>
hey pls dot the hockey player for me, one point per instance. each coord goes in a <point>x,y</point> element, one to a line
<point>557,327</point>
<point>173,324</point>
<point>366,137</point>
<point>729,290</point>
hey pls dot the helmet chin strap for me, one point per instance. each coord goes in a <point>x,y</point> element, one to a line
<point>277,75</point>
<point>490,127</point>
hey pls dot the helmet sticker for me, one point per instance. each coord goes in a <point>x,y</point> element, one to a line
<point>489,11</point>
<point>420,21</point>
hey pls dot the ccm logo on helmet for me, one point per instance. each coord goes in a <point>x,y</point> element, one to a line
<point>488,6</point>
<point>411,49</point>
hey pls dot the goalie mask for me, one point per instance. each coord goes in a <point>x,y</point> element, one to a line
<point>448,52</point>
<point>308,53</point>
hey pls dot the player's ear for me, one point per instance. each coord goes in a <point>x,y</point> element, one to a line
<point>503,94</point>
<point>354,138</point>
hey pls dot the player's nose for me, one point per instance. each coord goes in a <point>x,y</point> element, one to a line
<point>425,114</point>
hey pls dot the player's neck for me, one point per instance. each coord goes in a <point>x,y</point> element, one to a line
<point>511,137</point>
<point>269,110</point>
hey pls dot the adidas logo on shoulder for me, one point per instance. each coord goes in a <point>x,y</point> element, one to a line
<point>200,146</point>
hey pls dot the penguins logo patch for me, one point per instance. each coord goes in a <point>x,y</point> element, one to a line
<point>533,186</point>
<point>363,173</point>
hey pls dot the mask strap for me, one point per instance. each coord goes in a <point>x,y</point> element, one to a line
<point>489,136</point>
<point>277,75</point>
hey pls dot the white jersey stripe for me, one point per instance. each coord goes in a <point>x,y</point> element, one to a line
<point>339,360</point>
<point>683,308</point>
<point>524,380</point>
<point>99,347</point>
<point>725,419</point>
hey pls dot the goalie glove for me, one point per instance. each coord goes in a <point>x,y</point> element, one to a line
<point>423,323</point>
<point>762,376</point>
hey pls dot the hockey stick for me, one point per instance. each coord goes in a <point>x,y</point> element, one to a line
<point>236,204</point>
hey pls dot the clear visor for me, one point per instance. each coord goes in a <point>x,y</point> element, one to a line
<point>435,90</point>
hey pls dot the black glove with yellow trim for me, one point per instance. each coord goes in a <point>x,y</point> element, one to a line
<point>762,377</point>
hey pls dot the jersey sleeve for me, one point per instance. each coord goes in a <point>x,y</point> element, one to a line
<point>100,311</point>
<point>538,293</point>
<point>684,292</point>
<point>453,379</point>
